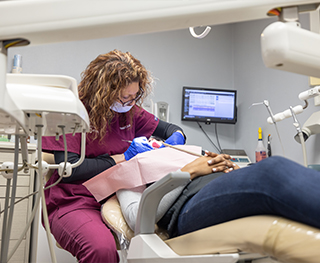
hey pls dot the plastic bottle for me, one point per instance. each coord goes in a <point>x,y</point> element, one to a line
<point>17,64</point>
<point>261,152</point>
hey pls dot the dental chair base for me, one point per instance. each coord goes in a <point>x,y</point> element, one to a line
<point>151,248</point>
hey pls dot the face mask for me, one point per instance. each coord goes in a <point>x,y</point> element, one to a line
<point>117,107</point>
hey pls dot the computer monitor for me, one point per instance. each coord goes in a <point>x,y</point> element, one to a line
<point>209,105</point>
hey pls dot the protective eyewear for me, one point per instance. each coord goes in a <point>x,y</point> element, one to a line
<point>130,101</point>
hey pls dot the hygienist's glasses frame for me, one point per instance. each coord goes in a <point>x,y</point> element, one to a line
<point>127,103</point>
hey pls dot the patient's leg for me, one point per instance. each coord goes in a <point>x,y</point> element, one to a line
<point>274,186</point>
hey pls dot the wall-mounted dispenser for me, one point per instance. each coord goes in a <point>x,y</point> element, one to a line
<point>161,110</point>
<point>148,105</point>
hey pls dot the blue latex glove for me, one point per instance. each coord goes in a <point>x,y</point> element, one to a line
<point>138,145</point>
<point>175,139</point>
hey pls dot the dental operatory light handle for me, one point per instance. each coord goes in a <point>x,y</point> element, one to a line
<point>285,114</point>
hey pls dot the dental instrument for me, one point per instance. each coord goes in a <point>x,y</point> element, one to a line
<point>269,153</point>
<point>174,147</point>
<point>266,103</point>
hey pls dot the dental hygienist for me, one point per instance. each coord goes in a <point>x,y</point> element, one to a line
<point>111,88</point>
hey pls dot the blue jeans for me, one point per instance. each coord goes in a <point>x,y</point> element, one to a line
<point>274,186</point>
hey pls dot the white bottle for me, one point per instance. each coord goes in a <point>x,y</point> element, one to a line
<point>17,64</point>
<point>261,152</point>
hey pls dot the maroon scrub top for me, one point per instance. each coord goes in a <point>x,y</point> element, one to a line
<point>66,197</point>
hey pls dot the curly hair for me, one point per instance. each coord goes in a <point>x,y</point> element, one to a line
<point>102,82</point>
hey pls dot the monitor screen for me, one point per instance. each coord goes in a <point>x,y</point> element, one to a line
<point>209,105</point>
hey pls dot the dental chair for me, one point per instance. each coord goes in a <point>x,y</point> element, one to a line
<point>258,239</point>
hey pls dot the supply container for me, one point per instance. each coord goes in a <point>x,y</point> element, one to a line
<point>260,152</point>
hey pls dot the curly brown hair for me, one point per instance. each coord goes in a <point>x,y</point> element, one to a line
<point>102,82</point>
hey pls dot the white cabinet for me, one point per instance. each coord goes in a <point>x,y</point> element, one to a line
<point>22,210</point>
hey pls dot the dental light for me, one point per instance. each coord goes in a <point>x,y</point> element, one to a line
<point>286,46</point>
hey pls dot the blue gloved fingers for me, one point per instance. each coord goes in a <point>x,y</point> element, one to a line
<point>141,144</point>
<point>176,139</point>
<point>138,145</point>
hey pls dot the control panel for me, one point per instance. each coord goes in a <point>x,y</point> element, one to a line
<point>238,156</point>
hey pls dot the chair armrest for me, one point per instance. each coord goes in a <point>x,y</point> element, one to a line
<point>151,198</point>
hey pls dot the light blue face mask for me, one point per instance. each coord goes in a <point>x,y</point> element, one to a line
<point>118,107</point>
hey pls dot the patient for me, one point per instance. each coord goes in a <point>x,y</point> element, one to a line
<point>274,186</point>
<point>129,198</point>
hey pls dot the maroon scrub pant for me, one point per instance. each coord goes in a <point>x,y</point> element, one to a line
<point>83,233</point>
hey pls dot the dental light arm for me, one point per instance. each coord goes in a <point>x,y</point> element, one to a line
<point>285,114</point>
<point>304,96</point>
<point>311,93</point>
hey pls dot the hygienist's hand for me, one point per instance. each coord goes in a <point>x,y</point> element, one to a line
<point>138,145</point>
<point>175,139</point>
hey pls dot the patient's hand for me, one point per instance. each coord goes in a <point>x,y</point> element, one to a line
<point>209,163</point>
<point>221,162</point>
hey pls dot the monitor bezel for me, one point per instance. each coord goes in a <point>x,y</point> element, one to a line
<point>209,120</point>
